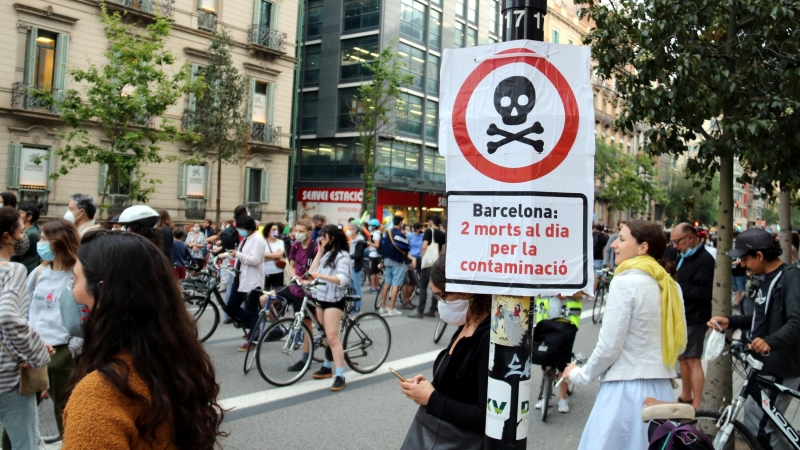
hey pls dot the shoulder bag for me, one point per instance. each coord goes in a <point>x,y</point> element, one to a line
<point>279,263</point>
<point>431,253</point>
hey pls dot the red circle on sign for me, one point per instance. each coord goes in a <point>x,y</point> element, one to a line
<point>532,171</point>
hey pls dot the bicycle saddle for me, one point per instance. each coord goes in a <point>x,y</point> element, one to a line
<point>656,409</point>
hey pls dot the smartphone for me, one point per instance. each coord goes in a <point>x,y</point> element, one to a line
<point>394,372</point>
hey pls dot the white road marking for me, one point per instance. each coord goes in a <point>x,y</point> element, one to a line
<point>277,394</point>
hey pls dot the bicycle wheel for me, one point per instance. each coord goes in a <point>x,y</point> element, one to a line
<point>378,298</point>
<point>47,421</point>
<point>439,331</point>
<point>367,342</point>
<point>205,314</point>
<point>599,303</point>
<point>255,336</point>
<point>280,347</point>
<point>740,439</point>
<point>544,392</point>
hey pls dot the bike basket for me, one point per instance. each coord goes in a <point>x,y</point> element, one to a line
<point>552,342</point>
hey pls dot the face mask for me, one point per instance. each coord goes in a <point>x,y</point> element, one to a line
<point>242,233</point>
<point>274,234</point>
<point>69,216</point>
<point>196,229</point>
<point>300,237</point>
<point>349,232</point>
<point>690,252</point>
<point>455,312</point>
<point>44,250</point>
<point>22,245</point>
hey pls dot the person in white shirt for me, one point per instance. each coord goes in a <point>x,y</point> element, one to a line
<point>250,262</point>
<point>274,255</point>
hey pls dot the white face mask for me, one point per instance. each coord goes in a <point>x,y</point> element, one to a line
<point>454,312</point>
<point>300,237</point>
<point>69,216</point>
<point>349,232</point>
<point>195,229</point>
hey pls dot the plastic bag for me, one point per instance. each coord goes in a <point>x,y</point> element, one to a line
<point>715,343</point>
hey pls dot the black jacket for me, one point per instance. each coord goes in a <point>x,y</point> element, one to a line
<point>460,397</point>
<point>783,326</point>
<point>696,279</point>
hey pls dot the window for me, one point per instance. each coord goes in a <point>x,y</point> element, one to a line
<point>398,159</point>
<point>328,159</point>
<point>555,36</point>
<point>45,64</point>
<point>472,11</point>
<point>460,8</point>
<point>432,85</point>
<point>412,20</point>
<point>431,120</point>
<point>435,30</point>
<point>45,58</point>
<point>194,181</point>
<point>311,65</point>
<point>414,60</point>
<point>314,27</point>
<point>355,52</point>
<point>265,13</point>
<point>309,120</point>
<point>460,38</point>
<point>361,14</point>
<point>23,173</point>
<point>256,185</point>
<point>260,113</point>
<point>348,103</point>
<point>119,180</point>
<point>409,115</point>
<point>494,18</point>
<point>433,169</point>
<point>472,37</point>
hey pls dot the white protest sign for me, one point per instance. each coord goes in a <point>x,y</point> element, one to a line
<point>517,133</point>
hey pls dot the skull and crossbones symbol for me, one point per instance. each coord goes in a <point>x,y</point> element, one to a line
<point>514,98</point>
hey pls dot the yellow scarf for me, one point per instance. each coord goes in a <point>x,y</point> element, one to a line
<point>673,322</point>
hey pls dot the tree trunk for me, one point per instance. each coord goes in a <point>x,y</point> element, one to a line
<point>219,188</point>
<point>785,219</point>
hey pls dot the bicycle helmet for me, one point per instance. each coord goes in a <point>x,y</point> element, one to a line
<point>139,214</point>
<point>374,222</point>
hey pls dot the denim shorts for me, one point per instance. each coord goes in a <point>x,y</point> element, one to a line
<point>740,283</point>
<point>395,275</point>
<point>598,266</point>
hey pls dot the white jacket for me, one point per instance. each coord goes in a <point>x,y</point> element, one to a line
<point>629,345</point>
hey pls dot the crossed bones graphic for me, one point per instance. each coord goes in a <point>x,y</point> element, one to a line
<point>515,137</point>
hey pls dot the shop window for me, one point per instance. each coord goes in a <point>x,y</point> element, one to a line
<point>314,25</point>
<point>432,84</point>
<point>348,104</point>
<point>435,30</point>
<point>460,38</point>
<point>331,159</point>
<point>361,15</point>
<point>434,166</point>
<point>412,20</point>
<point>409,115</point>
<point>356,52</point>
<point>397,159</point>
<point>311,65</point>
<point>310,107</point>
<point>472,37</point>
<point>431,120</point>
<point>414,60</point>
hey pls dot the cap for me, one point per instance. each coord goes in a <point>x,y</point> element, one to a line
<point>752,239</point>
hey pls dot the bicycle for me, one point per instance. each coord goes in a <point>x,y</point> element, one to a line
<point>382,281</point>
<point>439,331</point>
<point>275,306</point>
<point>199,303</point>
<point>549,382</point>
<point>366,341</point>
<point>600,296</point>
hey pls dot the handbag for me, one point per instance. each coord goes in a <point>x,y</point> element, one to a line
<point>279,263</point>
<point>431,253</point>
<point>31,380</point>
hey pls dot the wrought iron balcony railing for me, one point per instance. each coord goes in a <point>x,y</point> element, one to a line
<point>195,208</point>
<point>266,134</point>
<point>206,21</point>
<point>22,96</point>
<point>267,37</point>
<point>255,209</point>
<point>161,7</point>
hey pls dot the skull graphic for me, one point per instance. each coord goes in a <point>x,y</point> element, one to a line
<point>514,98</point>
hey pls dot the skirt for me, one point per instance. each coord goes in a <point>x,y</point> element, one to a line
<point>615,422</point>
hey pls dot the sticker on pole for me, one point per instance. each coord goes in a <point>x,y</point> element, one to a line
<point>517,133</point>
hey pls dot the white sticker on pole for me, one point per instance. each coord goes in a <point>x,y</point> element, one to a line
<point>498,407</point>
<point>523,408</point>
<point>517,133</point>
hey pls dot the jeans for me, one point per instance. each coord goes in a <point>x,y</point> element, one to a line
<point>424,279</point>
<point>20,420</point>
<point>355,281</point>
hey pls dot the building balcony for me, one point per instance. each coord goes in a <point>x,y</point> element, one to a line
<point>266,134</point>
<point>267,40</point>
<point>195,208</point>
<point>118,203</point>
<point>206,21</point>
<point>22,97</point>
<point>603,117</point>
<point>143,8</point>
<point>255,209</point>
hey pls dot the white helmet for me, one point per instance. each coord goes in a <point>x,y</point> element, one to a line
<point>139,214</point>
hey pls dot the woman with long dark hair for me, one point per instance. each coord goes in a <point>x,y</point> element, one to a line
<point>453,403</point>
<point>332,265</point>
<point>166,226</point>
<point>143,377</point>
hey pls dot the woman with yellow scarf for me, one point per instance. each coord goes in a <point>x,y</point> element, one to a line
<point>643,332</point>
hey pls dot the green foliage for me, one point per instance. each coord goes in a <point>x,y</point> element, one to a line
<point>770,216</point>
<point>120,100</point>
<point>685,202</point>
<point>372,116</point>
<point>628,181</point>
<point>220,114</point>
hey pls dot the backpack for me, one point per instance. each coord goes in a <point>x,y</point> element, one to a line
<point>229,238</point>
<point>667,435</point>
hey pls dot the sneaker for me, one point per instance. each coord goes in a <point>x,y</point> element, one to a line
<point>244,347</point>
<point>394,312</point>
<point>297,367</point>
<point>416,315</point>
<point>246,337</point>
<point>430,314</point>
<point>539,404</point>
<point>338,384</point>
<point>563,406</point>
<point>383,311</point>
<point>323,372</point>
<point>276,334</point>
<point>408,306</point>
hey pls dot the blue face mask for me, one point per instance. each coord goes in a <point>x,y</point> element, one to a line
<point>242,233</point>
<point>691,251</point>
<point>43,249</point>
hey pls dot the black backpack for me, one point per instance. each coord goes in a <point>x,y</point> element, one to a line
<point>229,238</point>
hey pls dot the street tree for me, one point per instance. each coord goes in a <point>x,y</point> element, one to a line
<point>721,72</point>
<point>627,181</point>
<point>122,100</point>
<point>219,117</point>
<point>371,112</point>
<point>686,203</point>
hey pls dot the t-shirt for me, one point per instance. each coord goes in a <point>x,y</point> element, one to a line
<point>439,237</point>
<point>759,328</point>
<point>600,240</point>
<point>302,257</point>
<point>415,242</point>
<point>45,293</point>
<point>272,247</point>
<point>180,253</point>
<point>738,271</point>
<point>376,237</point>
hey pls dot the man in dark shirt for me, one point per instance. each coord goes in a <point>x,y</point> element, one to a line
<point>599,241</point>
<point>432,235</point>
<point>774,327</point>
<point>695,276</point>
